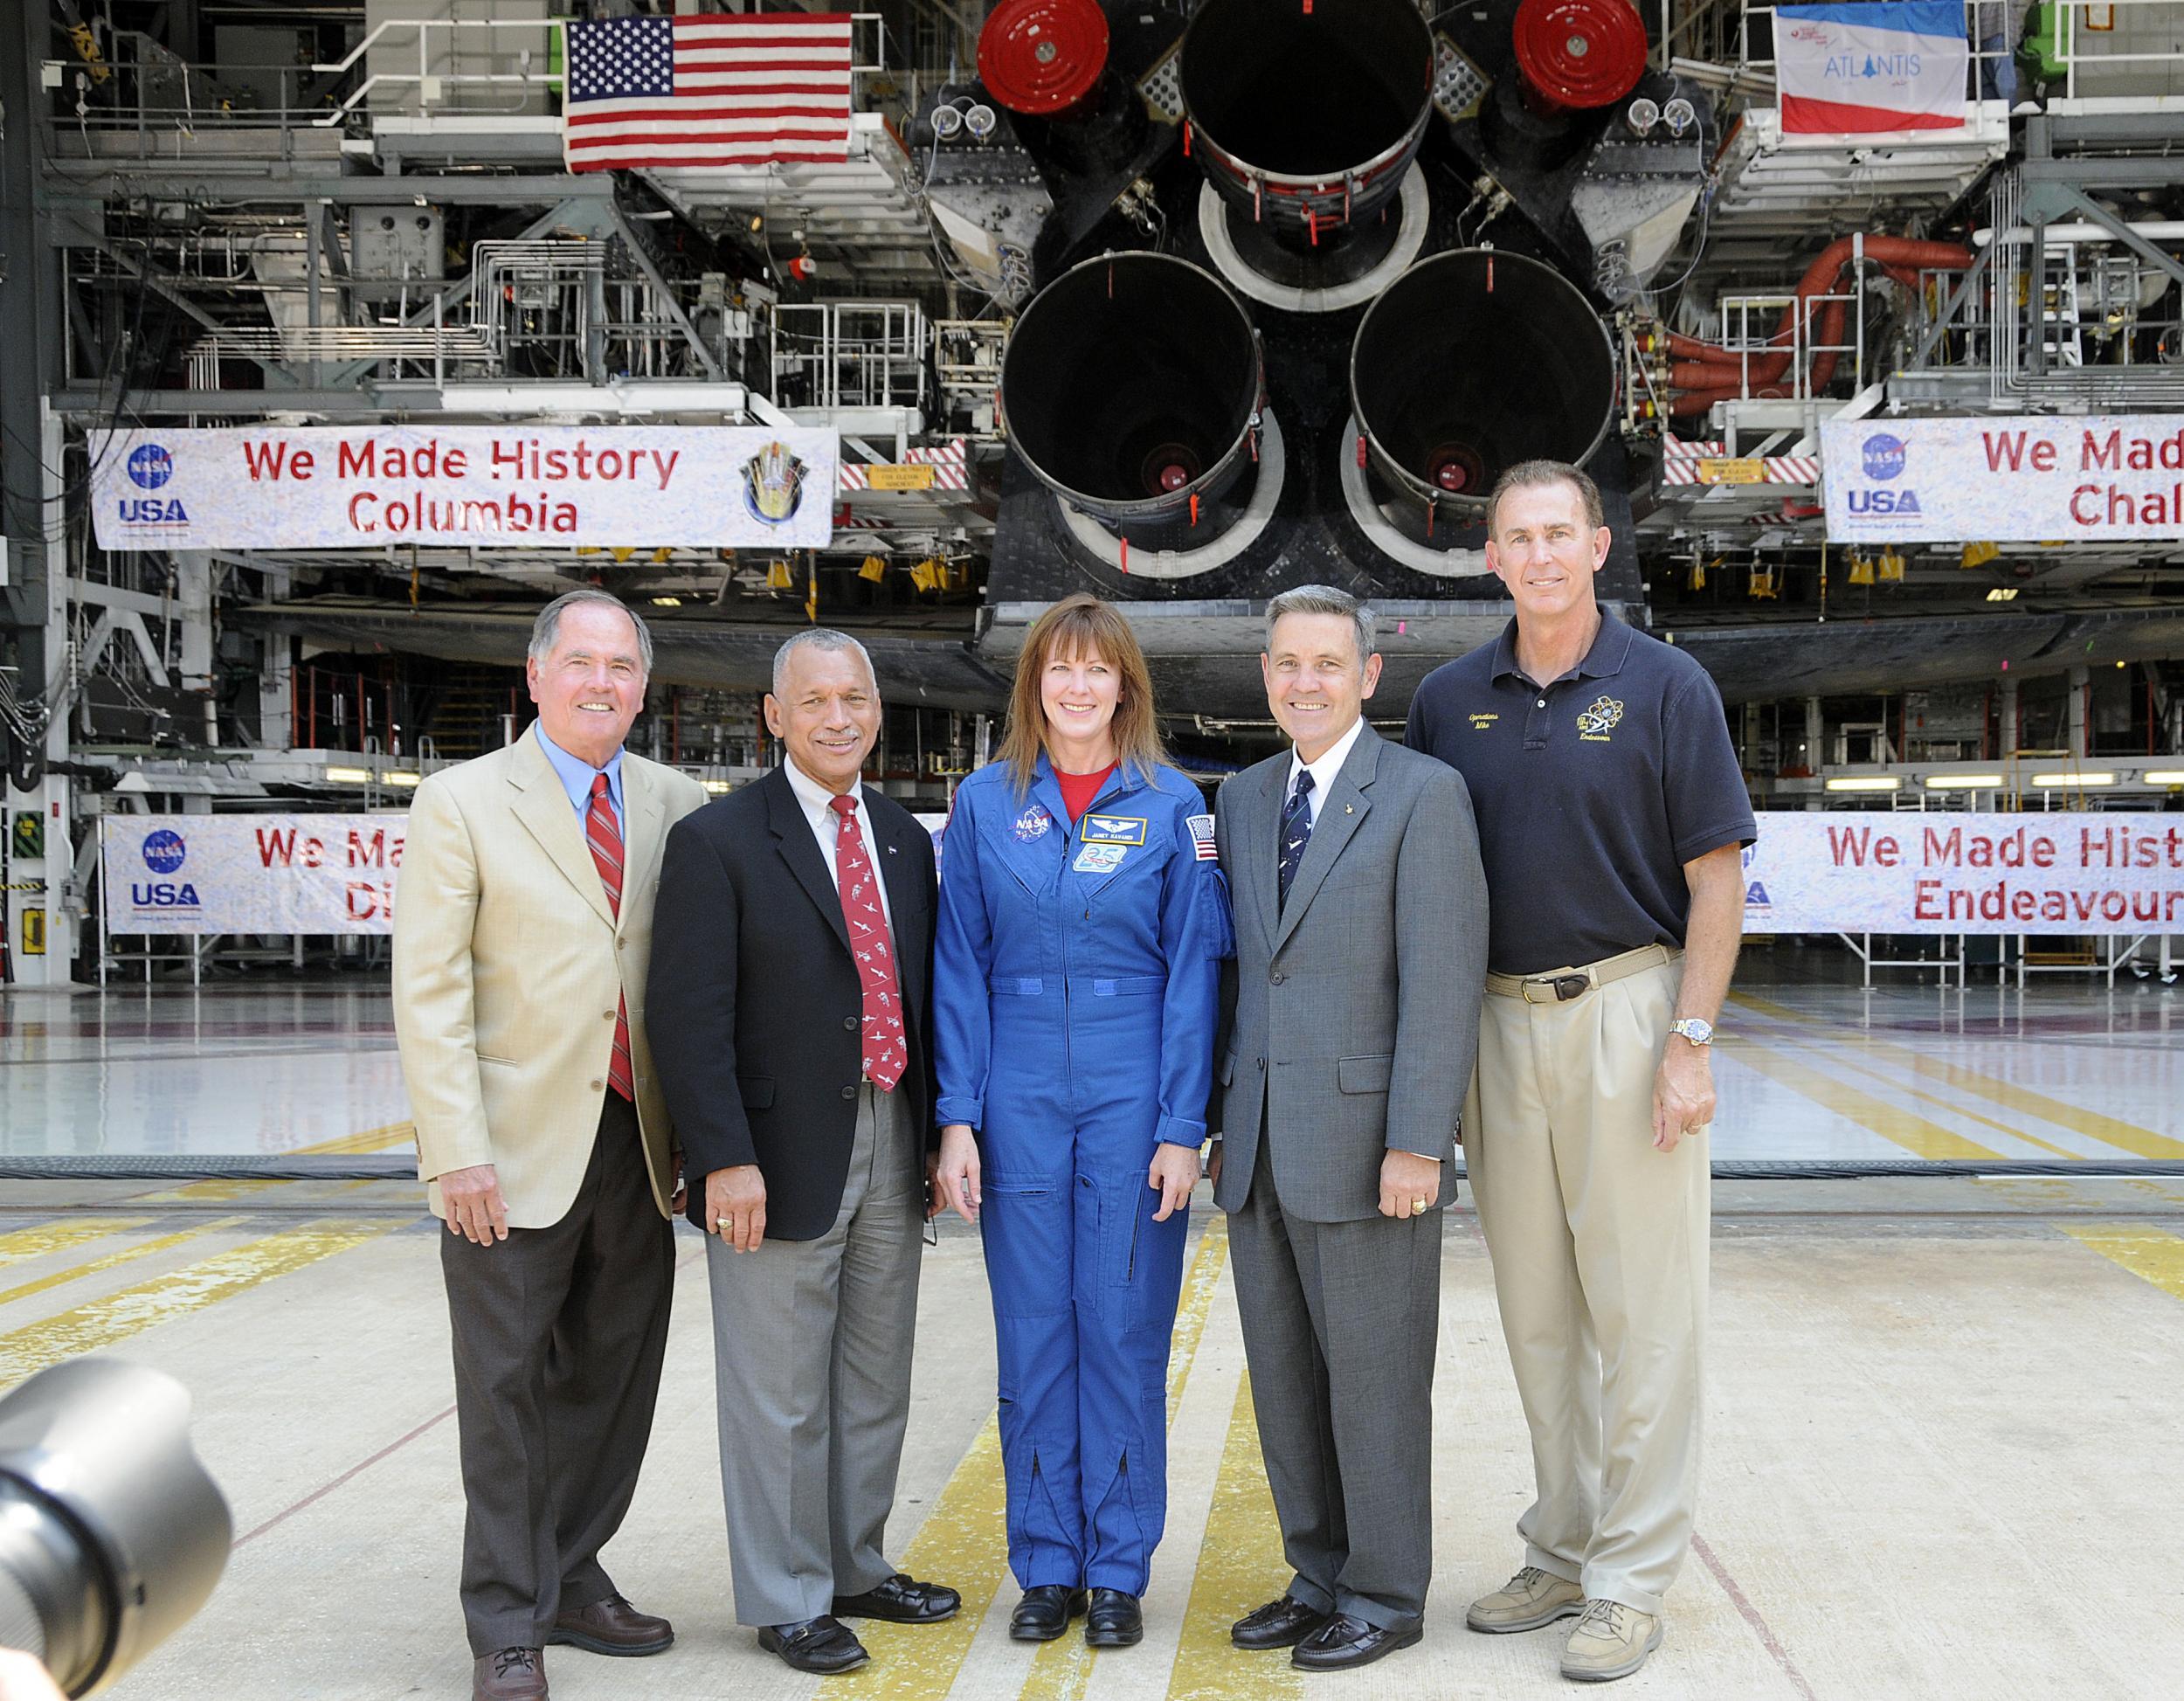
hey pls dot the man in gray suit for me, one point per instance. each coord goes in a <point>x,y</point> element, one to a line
<point>1360,963</point>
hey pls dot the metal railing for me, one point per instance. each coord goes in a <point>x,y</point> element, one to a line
<point>849,354</point>
<point>2082,35</point>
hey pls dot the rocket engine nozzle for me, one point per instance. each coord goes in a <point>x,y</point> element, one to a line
<point>1471,362</point>
<point>1304,117</point>
<point>1131,388</point>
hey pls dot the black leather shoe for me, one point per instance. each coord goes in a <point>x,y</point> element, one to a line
<point>1114,1620</point>
<point>1281,1623</point>
<point>1345,1641</point>
<point>817,1645</point>
<point>1045,1612</point>
<point>902,1600</point>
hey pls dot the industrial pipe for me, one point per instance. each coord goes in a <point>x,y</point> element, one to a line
<point>1131,388</point>
<point>1305,114</point>
<point>1471,362</point>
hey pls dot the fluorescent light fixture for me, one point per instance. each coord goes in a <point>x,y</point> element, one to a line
<point>2064,782</point>
<point>1866,783</point>
<point>395,777</point>
<point>1962,782</point>
<point>2164,776</point>
<point>717,786</point>
<point>667,602</point>
<point>348,777</point>
<point>2002,593</point>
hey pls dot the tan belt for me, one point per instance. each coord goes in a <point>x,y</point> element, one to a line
<point>1559,985</point>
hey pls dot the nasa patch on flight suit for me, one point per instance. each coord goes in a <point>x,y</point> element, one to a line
<point>1099,859</point>
<point>1111,830</point>
<point>1031,825</point>
<point>1202,838</point>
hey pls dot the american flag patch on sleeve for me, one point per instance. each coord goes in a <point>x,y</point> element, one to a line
<point>1202,838</point>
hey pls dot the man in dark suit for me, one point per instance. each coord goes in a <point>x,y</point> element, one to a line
<point>791,992</point>
<point>1360,964</point>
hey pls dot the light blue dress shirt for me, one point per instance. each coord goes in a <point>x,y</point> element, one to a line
<point>576,775</point>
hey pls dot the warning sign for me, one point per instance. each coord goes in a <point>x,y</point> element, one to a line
<point>34,933</point>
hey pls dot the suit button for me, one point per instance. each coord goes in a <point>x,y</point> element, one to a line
<point>609,1015</point>
<point>851,1023</point>
<point>1279,977</point>
<point>849,1092</point>
<point>598,1086</point>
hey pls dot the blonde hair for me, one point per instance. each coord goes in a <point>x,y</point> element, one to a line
<point>1074,625</point>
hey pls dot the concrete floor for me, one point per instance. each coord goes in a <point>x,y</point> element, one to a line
<point>1942,1457</point>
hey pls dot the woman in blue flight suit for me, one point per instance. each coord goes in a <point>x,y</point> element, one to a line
<point>1076,957</point>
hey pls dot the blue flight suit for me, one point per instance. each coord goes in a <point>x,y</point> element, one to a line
<point>1075,978</point>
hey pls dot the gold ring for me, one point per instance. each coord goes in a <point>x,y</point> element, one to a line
<point>1418,1206</point>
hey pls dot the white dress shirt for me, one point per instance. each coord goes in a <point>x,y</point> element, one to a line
<point>819,809</point>
<point>1324,769</point>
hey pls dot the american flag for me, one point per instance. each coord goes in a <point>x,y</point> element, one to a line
<point>711,90</point>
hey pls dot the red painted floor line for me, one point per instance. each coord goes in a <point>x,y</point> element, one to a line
<point>393,1447</point>
<point>1749,1613</point>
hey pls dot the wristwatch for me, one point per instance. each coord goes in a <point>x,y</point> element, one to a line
<point>1698,1033</point>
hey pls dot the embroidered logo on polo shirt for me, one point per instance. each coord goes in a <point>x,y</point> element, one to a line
<point>1481,722</point>
<point>1594,723</point>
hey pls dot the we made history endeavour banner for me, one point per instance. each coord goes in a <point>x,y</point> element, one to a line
<point>524,486</point>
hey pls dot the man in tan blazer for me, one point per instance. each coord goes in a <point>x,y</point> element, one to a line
<point>522,935</point>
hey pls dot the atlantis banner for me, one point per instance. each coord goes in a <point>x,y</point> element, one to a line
<point>477,486</point>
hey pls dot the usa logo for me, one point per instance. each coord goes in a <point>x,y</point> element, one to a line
<point>1202,839</point>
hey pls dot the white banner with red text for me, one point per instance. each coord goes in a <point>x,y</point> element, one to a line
<point>1942,871</point>
<point>476,486</point>
<point>2013,480</point>
<point>250,874</point>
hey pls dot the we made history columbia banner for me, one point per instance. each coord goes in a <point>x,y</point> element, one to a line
<point>476,486</point>
<point>1856,69</point>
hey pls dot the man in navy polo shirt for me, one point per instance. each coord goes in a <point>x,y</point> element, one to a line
<point>1611,815</point>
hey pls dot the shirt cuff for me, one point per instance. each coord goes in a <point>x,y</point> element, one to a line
<point>948,1111</point>
<point>1178,1131</point>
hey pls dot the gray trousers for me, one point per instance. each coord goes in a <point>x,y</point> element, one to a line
<point>1339,1322</point>
<point>559,1337</point>
<point>812,1353</point>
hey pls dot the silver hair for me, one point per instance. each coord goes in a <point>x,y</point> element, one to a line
<point>818,638</point>
<point>1323,599</point>
<point>547,628</point>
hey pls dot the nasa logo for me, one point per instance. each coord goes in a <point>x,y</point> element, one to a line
<point>1885,456</point>
<point>163,851</point>
<point>150,465</point>
<point>1883,501</point>
<point>1031,825</point>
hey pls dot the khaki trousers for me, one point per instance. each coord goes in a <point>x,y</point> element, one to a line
<point>1600,1250</point>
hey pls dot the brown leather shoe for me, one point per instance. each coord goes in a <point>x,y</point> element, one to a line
<point>514,1674</point>
<point>612,1626</point>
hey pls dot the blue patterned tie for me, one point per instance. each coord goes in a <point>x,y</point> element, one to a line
<point>1296,830</point>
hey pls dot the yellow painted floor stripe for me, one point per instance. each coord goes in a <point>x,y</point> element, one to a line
<point>101,1324</point>
<point>2128,1136</point>
<point>127,1255</point>
<point>22,1244</point>
<point>962,1543</point>
<point>1925,1097</point>
<point>370,1139</point>
<point>1912,1131</point>
<point>1240,1567</point>
<point>2145,1252</point>
<point>1061,1671</point>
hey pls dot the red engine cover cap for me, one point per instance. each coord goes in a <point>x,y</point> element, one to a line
<point>1580,53</point>
<point>1041,57</point>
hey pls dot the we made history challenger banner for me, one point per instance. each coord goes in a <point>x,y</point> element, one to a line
<point>479,487</point>
<point>2004,478</point>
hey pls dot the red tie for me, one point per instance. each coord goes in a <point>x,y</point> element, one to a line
<point>887,1053</point>
<point>605,836</point>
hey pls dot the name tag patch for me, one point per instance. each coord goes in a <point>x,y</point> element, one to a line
<point>1099,859</point>
<point>1202,838</point>
<point>1112,830</point>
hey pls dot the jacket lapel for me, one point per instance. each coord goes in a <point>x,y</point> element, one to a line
<point>544,809</point>
<point>793,830</point>
<point>1259,826</point>
<point>642,837</point>
<point>1341,811</point>
<point>1037,843</point>
<point>898,867</point>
